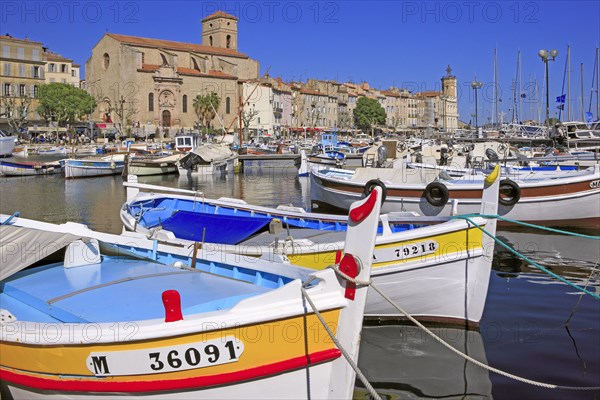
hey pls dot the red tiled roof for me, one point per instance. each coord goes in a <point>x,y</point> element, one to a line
<point>188,71</point>
<point>389,94</point>
<point>177,46</point>
<point>54,57</point>
<point>428,94</point>
<point>313,92</point>
<point>219,14</point>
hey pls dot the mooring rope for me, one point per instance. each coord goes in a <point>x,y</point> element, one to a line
<point>477,362</point>
<point>347,356</point>
<point>524,257</point>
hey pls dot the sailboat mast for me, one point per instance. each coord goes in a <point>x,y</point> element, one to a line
<point>568,83</point>
<point>597,85</point>
<point>582,95</point>
<point>495,108</point>
<point>561,105</point>
<point>593,85</point>
<point>519,85</point>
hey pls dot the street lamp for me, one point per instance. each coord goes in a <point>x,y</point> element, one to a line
<point>476,85</point>
<point>547,56</point>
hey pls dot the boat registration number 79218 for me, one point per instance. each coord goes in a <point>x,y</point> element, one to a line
<point>166,359</point>
<point>406,251</point>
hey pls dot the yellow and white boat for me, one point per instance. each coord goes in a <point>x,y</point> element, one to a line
<point>123,316</point>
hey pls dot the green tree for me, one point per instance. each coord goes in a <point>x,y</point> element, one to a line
<point>368,113</point>
<point>205,107</point>
<point>15,110</point>
<point>63,103</point>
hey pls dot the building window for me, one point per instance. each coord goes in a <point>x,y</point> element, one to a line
<point>150,101</point>
<point>105,61</point>
<point>22,90</point>
<point>228,45</point>
<point>227,105</point>
<point>6,51</point>
<point>35,91</point>
<point>184,103</point>
<point>74,73</point>
<point>210,40</point>
<point>35,54</point>
<point>6,90</point>
<point>37,72</point>
<point>20,53</point>
<point>7,69</point>
<point>64,69</point>
<point>22,70</point>
<point>51,67</point>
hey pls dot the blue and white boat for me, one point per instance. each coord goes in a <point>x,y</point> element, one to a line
<point>92,167</point>
<point>21,168</point>
<point>132,318</point>
<point>413,255</point>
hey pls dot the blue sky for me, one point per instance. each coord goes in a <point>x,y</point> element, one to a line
<point>401,43</point>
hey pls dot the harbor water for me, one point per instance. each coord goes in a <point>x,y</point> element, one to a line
<point>533,326</point>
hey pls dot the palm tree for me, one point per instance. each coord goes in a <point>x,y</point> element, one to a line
<point>205,107</point>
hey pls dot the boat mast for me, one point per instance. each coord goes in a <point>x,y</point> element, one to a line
<point>582,95</point>
<point>594,82</point>
<point>568,83</point>
<point>494,109</point>
<point>561,105</point>
<point>519,85</point>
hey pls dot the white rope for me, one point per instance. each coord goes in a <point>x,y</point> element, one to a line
<point>359,373</point>
<point>479,363</point>
<point>336,268</point>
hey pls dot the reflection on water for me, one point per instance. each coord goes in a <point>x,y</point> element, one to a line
<point>533,325</point>
<point>574,258</point>
<point>402,361</point>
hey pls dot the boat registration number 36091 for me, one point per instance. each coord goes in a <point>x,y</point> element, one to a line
<point>166,359</point>
<point>407,251</point>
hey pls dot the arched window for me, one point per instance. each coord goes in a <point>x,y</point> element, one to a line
<point>228,41</point>
<point>184,103</point>
<point>150,101</point>
<point>210,40</point>
<point>227,105</point>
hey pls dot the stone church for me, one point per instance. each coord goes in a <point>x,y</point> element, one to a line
<point>153,82</point>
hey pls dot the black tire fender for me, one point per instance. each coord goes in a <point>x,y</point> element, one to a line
<point>371,184</point>
<point>436,194</point>
<point>509,193</point>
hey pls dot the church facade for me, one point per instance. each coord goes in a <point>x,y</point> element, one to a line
<point>152,83</point>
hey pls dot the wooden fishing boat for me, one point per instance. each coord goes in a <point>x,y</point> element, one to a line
<point>194,328</point>
<point>21,168</point>
<point>412,259</point>
<point>570,200</point>
<point>145,166</point>
<point>93,167</point>
<point>208,159</point>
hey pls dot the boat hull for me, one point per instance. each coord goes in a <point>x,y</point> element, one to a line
<point>568,202</point>
<point>28,169</point>
<point>88,169</point>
